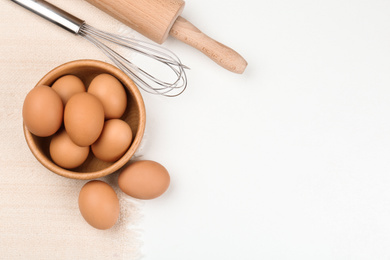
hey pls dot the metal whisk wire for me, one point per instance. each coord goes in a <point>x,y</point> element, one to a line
<point>153,52</point>
<point>142,78</point>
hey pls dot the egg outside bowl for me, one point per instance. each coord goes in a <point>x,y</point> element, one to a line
<point>134,115</point>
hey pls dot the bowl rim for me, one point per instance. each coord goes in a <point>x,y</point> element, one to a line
<point>136,140</point>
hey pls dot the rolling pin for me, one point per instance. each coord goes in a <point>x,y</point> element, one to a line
<point>156,19</point>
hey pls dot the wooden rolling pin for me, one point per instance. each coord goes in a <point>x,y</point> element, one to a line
<point>156,19</point>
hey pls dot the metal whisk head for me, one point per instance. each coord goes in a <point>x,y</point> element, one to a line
<point>171,87</point>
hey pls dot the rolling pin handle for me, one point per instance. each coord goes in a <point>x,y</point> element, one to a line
<point>229,59</point>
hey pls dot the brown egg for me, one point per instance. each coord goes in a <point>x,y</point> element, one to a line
<point>65,153</point>
<point>114,140</point>
<point>67,86</point>
<point>84,118</point>
<point>144,180</point>
<point>111,93</point>
<point>43,111</point>
<point>99,204</point>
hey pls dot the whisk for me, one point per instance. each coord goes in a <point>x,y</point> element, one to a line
<point>171,87</point>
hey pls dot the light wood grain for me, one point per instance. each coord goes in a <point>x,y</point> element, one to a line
<point>151,18</point>
<point>224,56</point>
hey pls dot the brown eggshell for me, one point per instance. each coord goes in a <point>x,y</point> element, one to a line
<point>144,180</point>
<point>84,118</point>
<point>67,86</point>
<point>111,93</point>
<point>42,111</point>
<point>114,140</point>
<point>65,153</point>
<point>99,204</point>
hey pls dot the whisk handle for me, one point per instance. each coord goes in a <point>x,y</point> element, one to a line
<point>53,14</point>
<point>229,59</point>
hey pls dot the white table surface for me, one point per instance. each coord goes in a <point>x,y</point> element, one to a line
<point>289,160</point>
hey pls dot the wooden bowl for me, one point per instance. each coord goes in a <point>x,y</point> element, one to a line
<point>134,115</point>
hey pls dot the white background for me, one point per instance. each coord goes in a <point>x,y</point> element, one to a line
<point>289,160</point>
